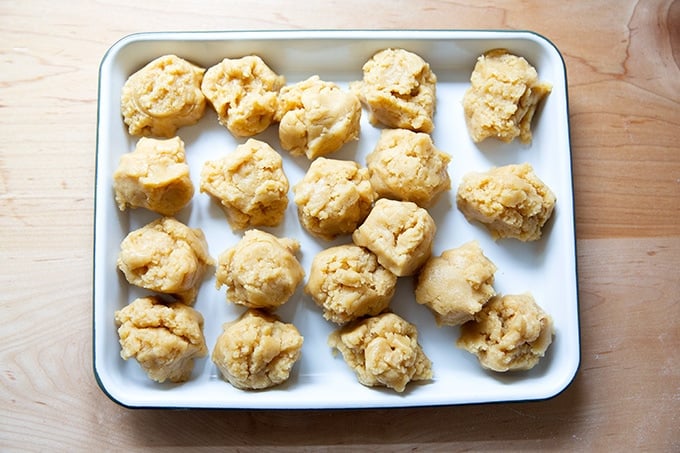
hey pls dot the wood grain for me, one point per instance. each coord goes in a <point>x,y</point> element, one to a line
<point>623,62</point>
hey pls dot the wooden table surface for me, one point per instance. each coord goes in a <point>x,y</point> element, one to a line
<point>623,60</point>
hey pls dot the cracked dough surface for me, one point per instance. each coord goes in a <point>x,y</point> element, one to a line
<point>165,339</point>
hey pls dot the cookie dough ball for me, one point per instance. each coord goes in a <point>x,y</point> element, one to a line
<point>400,234</point>
<point>163,96</point>
<point>260,271</point>
<point>510,333</point>
<point>383,351</point>
<point>503,97</point>
<point>154,176</point>
<point>317,118</point>
<point>399,90</point>
<point>249,184</point>
<point>243,92</point>
<point>455,285</point>
<point>334,197</point>
<point>405,165</point>
<point>257,351</point>
<point>348,282</point>
<point>165,256</point>
<point>164,338</point>
<point>511,201</point>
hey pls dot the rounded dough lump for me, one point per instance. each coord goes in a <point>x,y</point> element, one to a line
<point>510,333</point>
<point>405,165</point>
<point>154,176</point>
<point>348,282</point>
<point>163,96</point>
<point>250,185</point>
<point>165,339</point>
<point>257,351</point>
<point>244,94</point>
<point>260,271</point>
<point>316,117</point>
<point>456,285</point>
<point>400,233</point>
<point>383,351</point>
<point>165,256</point>
<point>399,89</point>
<point>334,197</point>
<point>511,201</point>
<point>503,97</point>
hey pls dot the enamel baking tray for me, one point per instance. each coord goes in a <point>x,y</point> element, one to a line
<point>320,380</point>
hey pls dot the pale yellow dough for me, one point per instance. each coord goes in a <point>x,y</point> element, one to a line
<point>503,97</point>
<point>316,117</point>
<point>400,234</point>
<point>399,89</point>
<point>163,96</point>
<point>250,185</point>
<point>510,333</point>
<point>383,351</point>
<point>348,282</point>
<point>257,351</point>
<point>260,271</point>
<point>154,176</point>
<point>511,201</point>
<point>164,338</point>
<point>457,284</point>
<point>405,165</point>
<point>244,93</point>
<point>334,197</point>
<point>165,256</point>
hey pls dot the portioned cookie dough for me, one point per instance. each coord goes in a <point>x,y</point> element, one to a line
<point>399,89</point>
<point>348,282</point>
<point>400,234</point>
<point>503,97</point>
<point>316,117</point>
<point>405,165</point>
<point>164,338</point>
<point>250,185</point>
<point>511,201</point>
<point>243,92</point>
<point>257,351</point>
<point>163,96</point>
<point>260,271</point>
<point>456,284</point>
<point>165,256</point>
<point>383,351</point>
<point>154,176</point>
<point>510,333</point>
<point>334,197</point>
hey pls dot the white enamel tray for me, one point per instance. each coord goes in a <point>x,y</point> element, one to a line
<point>546,268</point>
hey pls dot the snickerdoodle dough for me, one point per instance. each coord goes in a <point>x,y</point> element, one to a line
<point>165,256</point>
<point>250,185</point>
<point>511,201</point>
<point>510,333</point>
<point>455,285</point>
<point>383,351</point>
<point>164,338</point>
<point>400,233</point>
<point>316,117</point>
<point>257,351</point>
<point>399,89</point>
<point>163,96</point>
<point>503,97</point>
<point>348,282</point>
<point>333,197</point>
<point>154,176</point>
<point>244,93</point>
<point>405,165</point>
<point>260,271</point>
